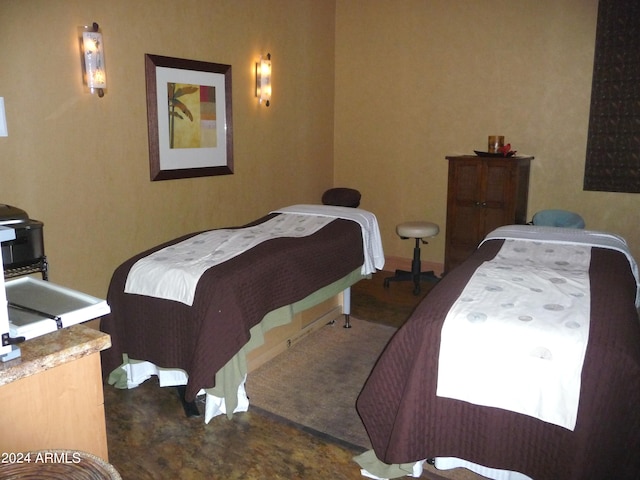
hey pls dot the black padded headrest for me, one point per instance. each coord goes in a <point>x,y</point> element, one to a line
<point>342,197</point>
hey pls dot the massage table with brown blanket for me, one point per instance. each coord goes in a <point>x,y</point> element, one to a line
<point>232,298</point>
<point>408,422</point>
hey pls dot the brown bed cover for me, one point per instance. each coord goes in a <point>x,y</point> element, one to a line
<point>407,422</point>
<point>230,299</point>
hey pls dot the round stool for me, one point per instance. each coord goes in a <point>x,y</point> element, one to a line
<point>419,231</point>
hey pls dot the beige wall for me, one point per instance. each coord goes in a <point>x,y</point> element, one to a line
<point>417,80</point>
<point>80,163</point>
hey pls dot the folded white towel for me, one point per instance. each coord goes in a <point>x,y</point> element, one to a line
<point>371,240</point>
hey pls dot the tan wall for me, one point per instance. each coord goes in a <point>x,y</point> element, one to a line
<point>417,80</point>
<point>80,163</point>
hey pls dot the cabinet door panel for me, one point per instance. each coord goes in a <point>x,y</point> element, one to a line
<point>467,187</point>
<point>497,185</point>
<point>464,226</point>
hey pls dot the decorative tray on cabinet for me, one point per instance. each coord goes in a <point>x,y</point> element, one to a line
<point>497,155</point>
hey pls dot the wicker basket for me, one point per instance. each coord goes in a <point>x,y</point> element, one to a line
<point>56,465</point>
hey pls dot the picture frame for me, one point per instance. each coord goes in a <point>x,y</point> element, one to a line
<point>189,116</point>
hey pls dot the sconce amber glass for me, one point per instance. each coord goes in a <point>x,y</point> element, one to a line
<point>263,79</point>
<point>94,74</point>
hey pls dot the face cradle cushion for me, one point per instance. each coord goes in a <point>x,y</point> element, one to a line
<point>341,197</point>
<point>558,218</point>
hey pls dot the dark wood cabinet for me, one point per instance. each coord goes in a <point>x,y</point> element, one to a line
<point>483,193</point>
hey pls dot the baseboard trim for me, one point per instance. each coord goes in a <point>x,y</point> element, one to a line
<point>392,264</point>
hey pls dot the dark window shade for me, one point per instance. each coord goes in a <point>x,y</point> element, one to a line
<point>613,144</point>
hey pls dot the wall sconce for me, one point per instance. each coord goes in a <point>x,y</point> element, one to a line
<point>94,73</point>
<point>263,79</point>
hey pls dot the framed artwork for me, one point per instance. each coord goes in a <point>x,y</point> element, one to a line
<point>189,118</point>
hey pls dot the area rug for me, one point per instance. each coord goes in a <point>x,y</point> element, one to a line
<point>316,382</point>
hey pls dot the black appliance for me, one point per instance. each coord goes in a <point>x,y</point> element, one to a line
<point>25,254</point>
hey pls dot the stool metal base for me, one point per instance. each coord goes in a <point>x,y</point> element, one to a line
<point>415,275</point>
<point>403,275</point>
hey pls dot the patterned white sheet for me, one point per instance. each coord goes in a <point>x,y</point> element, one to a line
<point>516,337</point>
<point>173,272</point>
<point>570,236</point>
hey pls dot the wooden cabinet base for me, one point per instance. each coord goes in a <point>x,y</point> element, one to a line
<point>59,408</point>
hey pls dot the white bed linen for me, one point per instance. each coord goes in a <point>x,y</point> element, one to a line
<point>137,372</point>
<point>570,236</point>
<point>516,337</point>
<point>371,240</point>
<point>173,272</point>
<point>374,468</point>
<point>447,463</point>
